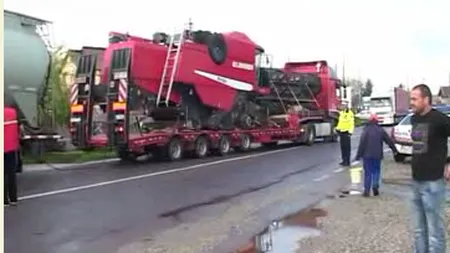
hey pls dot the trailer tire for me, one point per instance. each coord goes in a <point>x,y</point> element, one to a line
<point>201,147</point>
<point>224,145</point>
<point>245,143</point>
<point>217,48</point>
<point>173,150</point>
<point>310,135</point>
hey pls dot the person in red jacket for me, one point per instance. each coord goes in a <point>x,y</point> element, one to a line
<point>11,149</point>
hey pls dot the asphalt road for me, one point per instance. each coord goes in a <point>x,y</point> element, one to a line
<point>102,207</point>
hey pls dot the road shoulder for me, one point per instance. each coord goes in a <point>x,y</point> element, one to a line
<point>375,224</point>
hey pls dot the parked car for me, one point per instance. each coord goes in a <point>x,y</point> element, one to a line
<point>401,134</point>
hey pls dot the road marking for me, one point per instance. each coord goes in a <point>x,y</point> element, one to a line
<point>338,170</point>
<point>321,178</point>
<point>154,174</point>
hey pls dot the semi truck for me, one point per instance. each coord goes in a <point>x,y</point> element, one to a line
<point>199,93</point>
<point>391,106</point>
<point>27,63</point>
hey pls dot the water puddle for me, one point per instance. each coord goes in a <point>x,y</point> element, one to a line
<point>282,236</point>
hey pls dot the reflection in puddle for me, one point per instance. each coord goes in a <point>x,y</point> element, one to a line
<point>282,235</point>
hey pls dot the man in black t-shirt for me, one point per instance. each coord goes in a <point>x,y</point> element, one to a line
<point>430,131</point>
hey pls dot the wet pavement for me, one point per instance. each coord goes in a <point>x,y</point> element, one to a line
<point>100,208</point>
<point>283,235</point>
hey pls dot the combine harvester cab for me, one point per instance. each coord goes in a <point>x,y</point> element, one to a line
<point>314,88</point>
<point>88,123</point>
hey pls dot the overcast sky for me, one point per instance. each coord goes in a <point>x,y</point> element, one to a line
<point>391,42</point>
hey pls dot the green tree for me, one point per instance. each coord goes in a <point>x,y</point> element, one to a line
<point>55,107</point>
<point>368,88</point>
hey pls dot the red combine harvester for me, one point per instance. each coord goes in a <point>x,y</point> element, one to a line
<point>203,92</point>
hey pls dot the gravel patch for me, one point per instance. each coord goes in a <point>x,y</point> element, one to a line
<point>376,224</point>
<point>396,173</point>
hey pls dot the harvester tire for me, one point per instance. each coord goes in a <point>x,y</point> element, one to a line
<point>224,145</point>
<point>201,147</point>
<point>173,150</point>
<point>245,143</point>
<point>217,48</point>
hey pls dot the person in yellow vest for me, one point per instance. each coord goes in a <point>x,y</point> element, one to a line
<point>345,127</point>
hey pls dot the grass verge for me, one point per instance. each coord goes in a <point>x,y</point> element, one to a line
<point>76,156</point>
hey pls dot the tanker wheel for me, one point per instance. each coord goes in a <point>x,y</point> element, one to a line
<point>174,150</point>
<point>201,147</point>
<point>224,145</point>
<point>245,143</point>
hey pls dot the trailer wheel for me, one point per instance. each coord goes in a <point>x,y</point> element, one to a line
<point>310,135</point>
<point>174,150</point>
<point>224,145</point>
<point>245,143</point>
<point>201,147</point>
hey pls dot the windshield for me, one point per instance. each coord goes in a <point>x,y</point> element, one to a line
<point>380,102</point>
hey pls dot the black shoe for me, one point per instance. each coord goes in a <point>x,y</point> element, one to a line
<point>375,192</point>
<point>366,194</point>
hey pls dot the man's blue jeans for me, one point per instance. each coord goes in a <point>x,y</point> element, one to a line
<point>372,168</point>
<point>428,215</point>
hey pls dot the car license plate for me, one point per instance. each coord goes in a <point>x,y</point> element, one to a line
<point>406,150</point>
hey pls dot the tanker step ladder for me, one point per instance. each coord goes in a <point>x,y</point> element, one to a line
<point>170,69</point>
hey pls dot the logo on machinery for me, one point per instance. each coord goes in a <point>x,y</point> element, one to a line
<point>242,65</point>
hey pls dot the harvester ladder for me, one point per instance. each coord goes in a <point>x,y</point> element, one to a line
<point>170,69</point>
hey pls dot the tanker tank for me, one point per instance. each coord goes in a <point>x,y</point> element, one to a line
<point>26,65</point>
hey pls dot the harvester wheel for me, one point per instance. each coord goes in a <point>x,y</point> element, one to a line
<point>174,150</point>
<point>246,122</point>
<point>224,145</point>
<point>201,147</point>
<point>245,143</point>
<point>217,48</point>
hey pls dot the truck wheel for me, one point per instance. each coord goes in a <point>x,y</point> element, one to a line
<point>332,138</point>
<point>224,145</point>
<point>244,144</point>
<point>310,135</point>
<point>201,147</point>
<point>125,155</point>
<point>217,48</point>
<point>174,150</point>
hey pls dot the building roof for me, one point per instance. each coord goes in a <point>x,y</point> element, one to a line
<point>444,92</point>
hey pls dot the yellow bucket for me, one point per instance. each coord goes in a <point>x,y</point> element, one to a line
<point>355,175</point>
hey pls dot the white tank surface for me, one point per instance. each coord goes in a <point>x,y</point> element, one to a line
<point>26,63</point>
